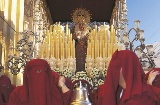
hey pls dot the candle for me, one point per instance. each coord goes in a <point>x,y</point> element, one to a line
<point>66,29</point>
<point>108,51</point>
<point>69,32</point>
<point>100,47</point>
<point>73,50</point>
<point>92,53</point>
<point>50,29</point>
<point>141,33</point>
<point>69,52</point>
<point>45,50</point>
<point>125,28</point>
<point>104,52</point>
<point>95,26</point>
<point>103,43</point>
<point>111,49</point>
<point>101,38</point>
<point>90,49</point>
<point>87,52</point>
<point>53,52</point>
<point>137,23</point>
<point>58,53</point>
<point>139,52</point>
<point>106,47</point>
<point>61,51</point>
<point>51,47</point>
<point>125,38</point>
<point>15,42</point>
<point>113,22</point>
<point>66,48</point>
<point>97,48</point>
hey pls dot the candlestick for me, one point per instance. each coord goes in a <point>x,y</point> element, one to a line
<point>100,47</point>
<point>69,52</point>
<point>106,46</point>
<point>51,28</point>
<point>137,24</point>
<point>141,33</point>
<point>66,29</point>
<point>53,51</point>
<point>92,53</point>
<point>104,52</point>
<point>61,51</point>
<point>58,53</point>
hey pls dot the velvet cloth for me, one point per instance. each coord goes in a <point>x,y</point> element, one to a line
<point>156,81</point>
<point>137,91</point>
<point>155,84</point>
<point>40,86</point>
<point>98,95</point>
<point>5,89</point>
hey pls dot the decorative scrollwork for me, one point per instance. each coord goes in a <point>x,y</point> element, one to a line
<point>25,50</point>
<point>1,68</point>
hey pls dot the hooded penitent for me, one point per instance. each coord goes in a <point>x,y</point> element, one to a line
<point>5,89</point>
<point>156,81</point>
<point>40,86</point>
<point>133,74</point>
<point>37,82</point>
<point>155,84</point>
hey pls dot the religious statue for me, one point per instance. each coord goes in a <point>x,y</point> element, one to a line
<point>80,32</point>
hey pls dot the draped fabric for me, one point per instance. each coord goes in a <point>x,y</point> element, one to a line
<point>98,95</point>
<point>156,81</point>
<point>40,86</point>
<point>137,92</point>
<point>5,89</point>
<point>155,84</point>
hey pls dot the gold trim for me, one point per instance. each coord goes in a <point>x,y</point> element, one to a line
<point>81,15</point>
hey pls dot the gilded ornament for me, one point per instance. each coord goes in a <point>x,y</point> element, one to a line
<point>81,15</point>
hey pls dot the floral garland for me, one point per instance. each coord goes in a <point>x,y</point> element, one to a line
<point>82,76</point>
<point>67,73</point>
<point>95,78</point>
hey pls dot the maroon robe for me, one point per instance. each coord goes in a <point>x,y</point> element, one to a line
<point>137,91</point>
<point>156,81</point>
<point>155,84</point>
<point>40,86</point>
<point>5,89</point>
<point>98,95</point>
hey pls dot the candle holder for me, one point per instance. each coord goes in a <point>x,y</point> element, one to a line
<point>15,64</point>
<point>119,18</point>
<point>146,58</point>
<point>120,22</point>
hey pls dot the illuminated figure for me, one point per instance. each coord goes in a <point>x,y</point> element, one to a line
<point>80,32</point>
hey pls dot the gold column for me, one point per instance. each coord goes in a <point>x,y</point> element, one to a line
<point>1,47</point>
<point>21,15</point>
<point>6,29</point>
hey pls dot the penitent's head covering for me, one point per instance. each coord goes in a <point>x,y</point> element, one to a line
<point>132,73</point>
<point>156,81</point>
<point>37,83</point>
<point>5,88</point>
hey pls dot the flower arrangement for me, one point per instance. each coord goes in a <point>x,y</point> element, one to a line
<point>67,73</point>
<point>82,76</point>
<point>57,70</point>
<point>95,78</point>
<point>95,73</point>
